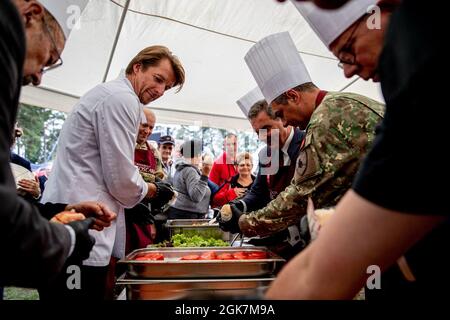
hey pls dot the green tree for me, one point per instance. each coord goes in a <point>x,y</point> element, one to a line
<point>41,129</point>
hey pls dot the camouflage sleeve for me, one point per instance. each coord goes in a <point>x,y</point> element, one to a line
<point>336,140</point>
<point>286,209</point>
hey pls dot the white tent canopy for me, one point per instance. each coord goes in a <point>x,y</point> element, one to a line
<point>211,38</point>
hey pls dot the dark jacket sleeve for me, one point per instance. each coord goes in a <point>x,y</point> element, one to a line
<point>15,158</point>
<point>48,210</point>
<point>259,195</point>
<point>33,250</point>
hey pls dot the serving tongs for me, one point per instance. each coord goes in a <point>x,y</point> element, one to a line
<point>235,238</point>
<point>212,221</point>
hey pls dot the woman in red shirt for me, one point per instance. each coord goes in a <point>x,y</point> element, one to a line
<point>238,184</point>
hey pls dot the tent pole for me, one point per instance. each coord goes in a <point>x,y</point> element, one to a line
<point>119,30</point>
<point>349,84</point>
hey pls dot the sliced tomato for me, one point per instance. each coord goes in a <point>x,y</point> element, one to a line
<point>142,258</point>
<point>154,256</point>
<point>190,257</point>
<point>257,255</point>
<point>209,255</point>
<point>150,257</point>
<point>240,255</point>
<point>225,256</point>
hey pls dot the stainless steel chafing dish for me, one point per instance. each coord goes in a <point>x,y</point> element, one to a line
<point>141,289</point>
<point>174,268</point>
<point>197,227</point>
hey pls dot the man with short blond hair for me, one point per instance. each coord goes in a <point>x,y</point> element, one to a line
<point>151,56</point>
<point>100,134</point>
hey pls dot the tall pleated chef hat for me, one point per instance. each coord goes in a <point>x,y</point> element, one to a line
<point>276,65</point>
<point>247,101</point>
<point>65,12</point>
<point>330,24</point>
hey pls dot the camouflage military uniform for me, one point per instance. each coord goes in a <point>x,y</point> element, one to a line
<point>338,135</point>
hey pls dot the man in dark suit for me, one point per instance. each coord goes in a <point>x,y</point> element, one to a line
<point>274,175</point>
<point>35,249</point>
<point>15,158</point>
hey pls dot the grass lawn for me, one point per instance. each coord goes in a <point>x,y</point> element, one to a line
<point>13,293</point>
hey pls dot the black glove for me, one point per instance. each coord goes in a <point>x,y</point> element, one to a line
<point>164,193</point>
<point>83,240</point>
<point>239,204</point>
<point>216,212</point>
<point>231,225</point>
<point>140,215</point>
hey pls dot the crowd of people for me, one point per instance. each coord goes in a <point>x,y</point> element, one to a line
<point>111,191</point>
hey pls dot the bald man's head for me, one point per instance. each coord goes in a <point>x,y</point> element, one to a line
<point>146,129</point>
<point>150,115</point>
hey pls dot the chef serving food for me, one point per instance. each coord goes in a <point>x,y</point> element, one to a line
<point>331,153</point>
<point>95,157</point>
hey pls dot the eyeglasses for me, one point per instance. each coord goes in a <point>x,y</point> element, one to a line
<point>346,54</point>
<point>58,61</point>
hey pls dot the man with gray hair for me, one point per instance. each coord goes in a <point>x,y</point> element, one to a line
<point>37,249</point>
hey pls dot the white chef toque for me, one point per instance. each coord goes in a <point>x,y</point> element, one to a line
<point>330,24</point>
<point>276,65</point>
<point>66,12</point>
<point>247,101</point>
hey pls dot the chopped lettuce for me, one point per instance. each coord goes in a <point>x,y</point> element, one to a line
<point>183,240</point>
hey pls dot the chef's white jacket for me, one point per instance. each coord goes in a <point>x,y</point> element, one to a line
<point>95,160</point>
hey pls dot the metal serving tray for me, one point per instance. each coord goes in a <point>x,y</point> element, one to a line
<point>197,289</point>
<point>174,268</point>
<point>197,227</point>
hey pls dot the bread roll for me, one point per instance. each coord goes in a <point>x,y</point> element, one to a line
<point>323,215</point>
<point>67,216</point>
<point>317,219</point>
